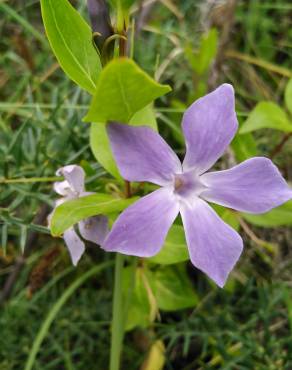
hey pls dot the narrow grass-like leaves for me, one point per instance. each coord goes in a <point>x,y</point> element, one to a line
<point>54,310</point>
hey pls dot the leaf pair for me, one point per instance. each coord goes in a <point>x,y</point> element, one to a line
<point>121,91</point>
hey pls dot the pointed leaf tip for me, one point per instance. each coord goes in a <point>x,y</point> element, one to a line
<point>122,90</point>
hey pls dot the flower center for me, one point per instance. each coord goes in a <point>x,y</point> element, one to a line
<point>178,183</point>
<point>187,184</point>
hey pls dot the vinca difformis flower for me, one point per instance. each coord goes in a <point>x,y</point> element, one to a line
<point>254,186</point>
<point>93,228</point>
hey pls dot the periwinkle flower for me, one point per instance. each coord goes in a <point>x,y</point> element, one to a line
<point>94,228</point>
<point>254,186</point>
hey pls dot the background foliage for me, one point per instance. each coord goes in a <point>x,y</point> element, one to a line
<point>193,46</point>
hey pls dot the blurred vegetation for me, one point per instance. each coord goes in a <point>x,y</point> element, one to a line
<point>194,46</point>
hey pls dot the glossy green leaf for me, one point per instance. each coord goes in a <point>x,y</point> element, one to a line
<point>99,141</point>
<point>288,95</point>
<point>173,289</point>
<point>122,90</point>
<point>266,115</point>
<point>280,216</point>
<point>73,211</point>
<point>71,40</point>
<point>174,249</point>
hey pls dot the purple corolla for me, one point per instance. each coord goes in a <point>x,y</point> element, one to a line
<point>94,228</point>
<point>254,186</point>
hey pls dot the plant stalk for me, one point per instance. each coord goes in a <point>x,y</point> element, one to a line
<point>117,316</point>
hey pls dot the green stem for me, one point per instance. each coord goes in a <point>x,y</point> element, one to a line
<point>24,180</point>
<point>117,317</point>
<point>128,299</point>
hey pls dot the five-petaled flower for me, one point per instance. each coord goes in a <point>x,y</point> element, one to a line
<point>254,186</point>
<point>94,228</point>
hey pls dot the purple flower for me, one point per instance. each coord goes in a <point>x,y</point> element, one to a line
<point>94,228</point>
<point>254,186</point>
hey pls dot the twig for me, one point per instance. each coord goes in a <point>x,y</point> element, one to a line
<point>278,148</point>
<point>249,232</point>
<point>128,191</point>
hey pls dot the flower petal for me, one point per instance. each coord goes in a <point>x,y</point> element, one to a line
<point>209,125</point>
<point>214,246</point>
<point>63,188</point>
<point>75,177</point>
<point>142,155</point>
<point>75,245</point>
<point>94,229</point>
<point>141,229</point>
<point>254,186</point>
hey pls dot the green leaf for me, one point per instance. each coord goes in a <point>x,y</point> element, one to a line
<point>140,309</point>
<point>173,289</point>
<point>280,216</point>
<point>288,95</point>
<point>156,357</point>
<point>174,249</point>
<point>227,216</point>
<point>145,117</point>
<point>126,4</point>
<point>100,144</point>
<point>244,147</point>
<point>266,115</point>
<point>201,60</point>
<point>122,90</point>
<point>71,40</point>
<point>73,211</point>
<point>230,218</point>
